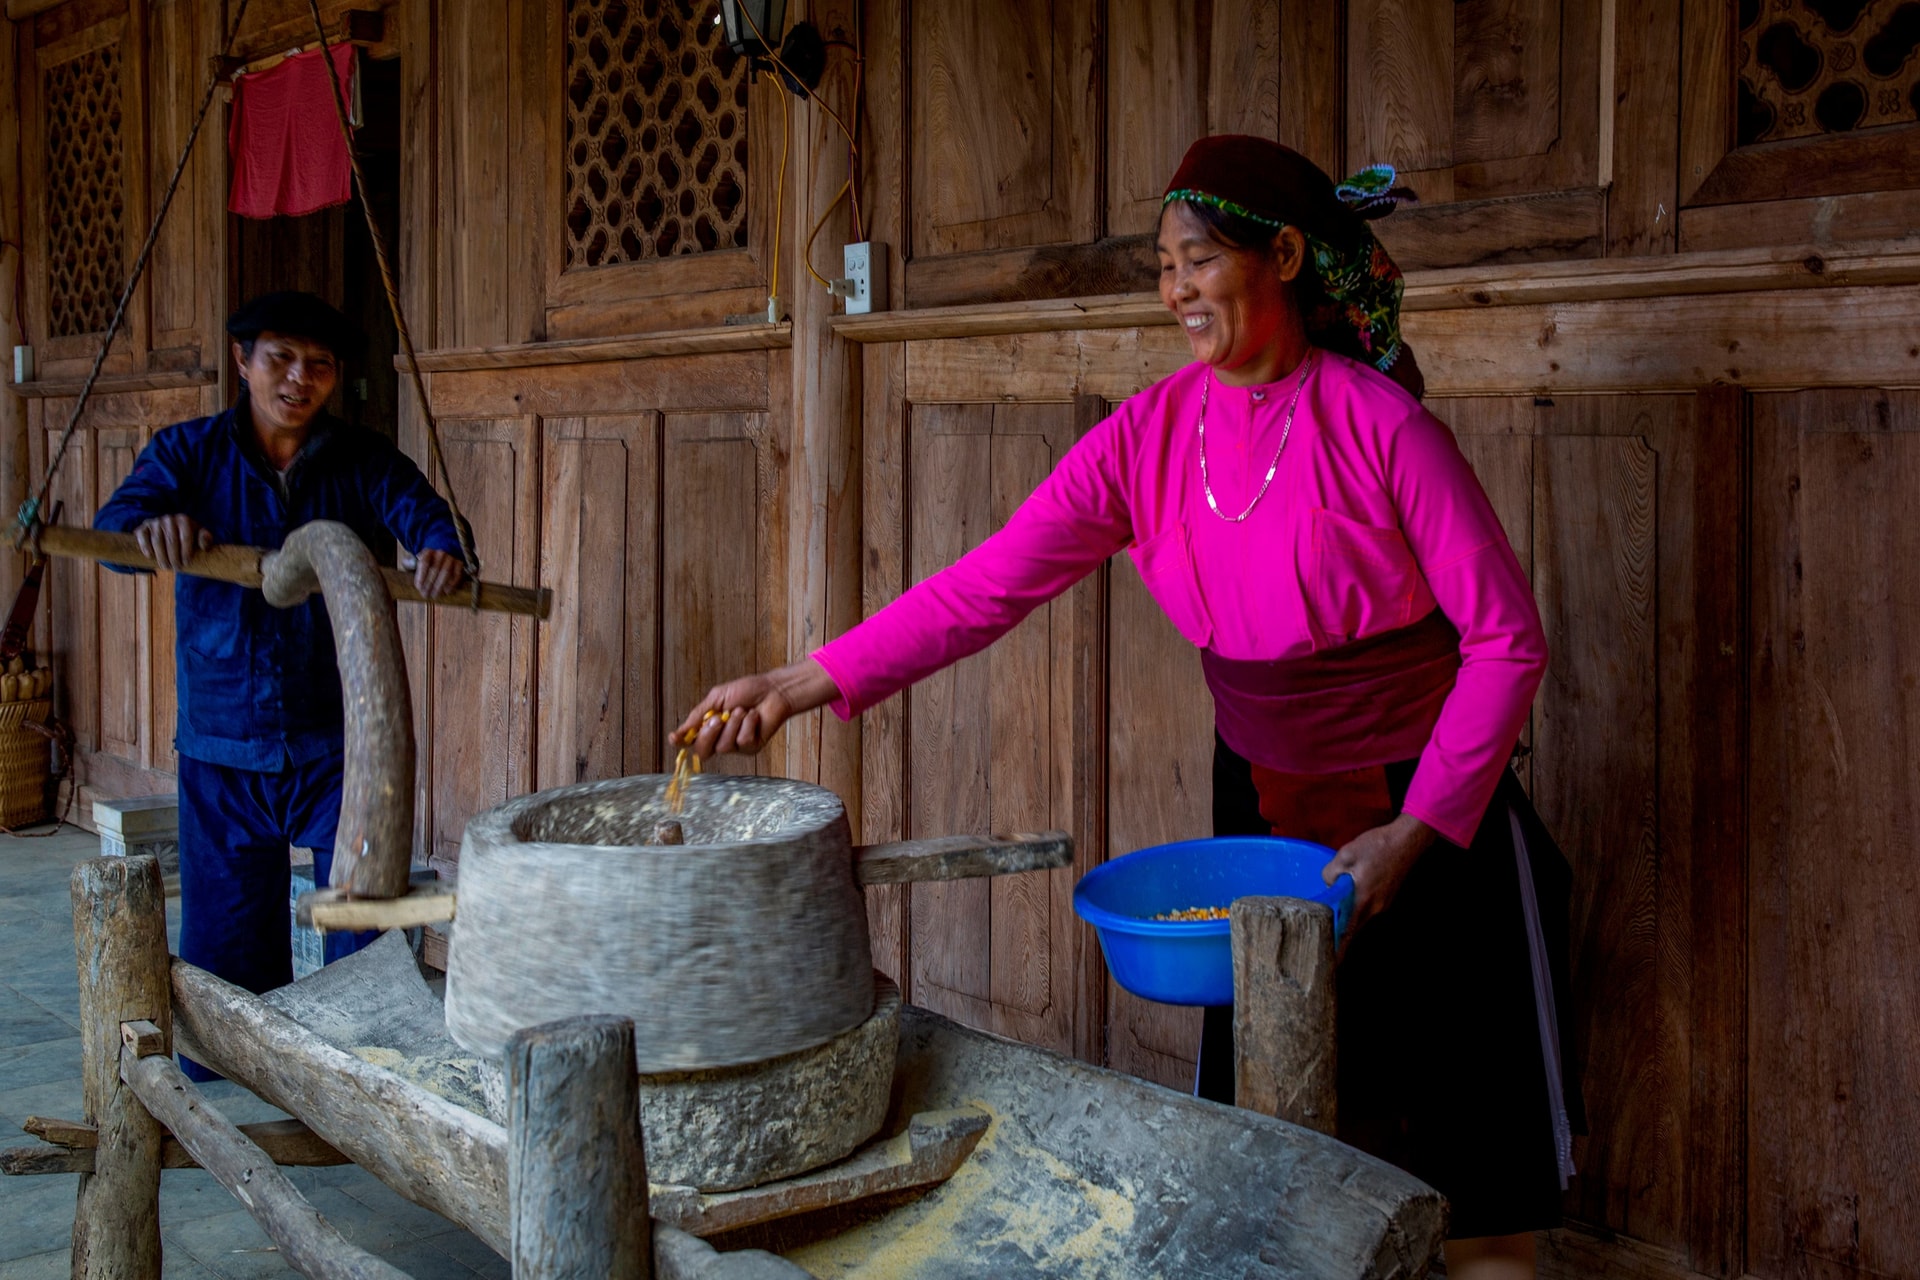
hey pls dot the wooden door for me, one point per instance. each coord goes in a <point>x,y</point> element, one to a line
<point>1833,1100</point>
<point>990,744</point>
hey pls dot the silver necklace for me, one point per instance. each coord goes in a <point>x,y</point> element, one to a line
<point>1306,367</point>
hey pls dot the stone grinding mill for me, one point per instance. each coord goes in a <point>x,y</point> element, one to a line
<point>764,1040</point>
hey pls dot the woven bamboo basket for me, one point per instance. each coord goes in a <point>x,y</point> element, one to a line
<point>26,762</point>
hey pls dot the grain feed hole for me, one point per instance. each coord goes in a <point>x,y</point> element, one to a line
<point>720,809</point>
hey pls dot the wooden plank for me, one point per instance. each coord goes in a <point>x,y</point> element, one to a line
<point>997,953</point>
<point>1050,367</point>
<point>120,601</point>
<point>481,678</point>
<point>15,453</point>
<point>685,342</point>
<point>288,1142</point>
<point>1399,84</point>
<point>1506,79</point>
<point>531,93</point>
<point>1830,221</point>
<point>120,941</point>
<point>822,537</point>
<point>1830,1096</point>
<point>1716,1033</point>
<point>1246,52</point>
<point>1159,749</point>
<point>1117,264</point>
<point>310,1244</point>
<point>600,548</point>
<point>434,1153</point>
<point>1284,1046</point>
<point>1883,159</point>
<point>1707,100</point>
<point>884,737</point>
<point>1596,780</point>
<point>116,384</point>
<point>1155,104</point>
<point>720,381</point>
<point>1004,97</point>
<point>1645,115</point>
<point>1079,764</point>
<point>1312,116</point>
<point>1851,336</point>
<point>711,470</point>
<point>576,1171</point>
<point>1529,228</point>
<point>1736,270</point>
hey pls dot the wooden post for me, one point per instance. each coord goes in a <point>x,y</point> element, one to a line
<point>308,1242</point>
<point>14,463</point>
<point>576,1168</point>
<point>1283,1010</point>
<point>120,942</point>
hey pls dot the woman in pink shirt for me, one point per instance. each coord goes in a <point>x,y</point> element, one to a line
<point>1372,646</point>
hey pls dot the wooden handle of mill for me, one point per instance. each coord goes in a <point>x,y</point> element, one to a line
<point>241,565</point>
<point>960,857</point>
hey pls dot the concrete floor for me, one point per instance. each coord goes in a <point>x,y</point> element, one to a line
<point>206,1232</point>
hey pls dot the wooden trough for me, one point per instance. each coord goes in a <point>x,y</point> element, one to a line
<point>996,1159</point>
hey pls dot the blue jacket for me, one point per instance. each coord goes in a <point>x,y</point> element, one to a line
<point>258,687</point>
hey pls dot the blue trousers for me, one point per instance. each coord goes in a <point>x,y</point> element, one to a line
<point>235,827</point>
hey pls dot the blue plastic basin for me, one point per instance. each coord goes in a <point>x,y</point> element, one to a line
<point>1191,961</point>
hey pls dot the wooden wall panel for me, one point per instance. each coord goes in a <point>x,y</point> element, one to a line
<point>122,619</point>
<point>1156,105</point>
<point>983,737</point>
<point>1003,96</point>
<point>1159,789</point>
<point>711,585</point>
<point>1400,84</point>
<point>1613,504</point>
<point>599,554</point>
<point>1834,928</point>
<point>481,676</point>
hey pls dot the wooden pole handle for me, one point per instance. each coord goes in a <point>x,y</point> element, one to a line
<point>960,857</point>
<point>241,566</point>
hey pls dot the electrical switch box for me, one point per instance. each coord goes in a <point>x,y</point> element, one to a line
<point>865,285</point>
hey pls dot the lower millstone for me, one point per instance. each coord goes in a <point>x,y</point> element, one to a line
<point>732,1127</point>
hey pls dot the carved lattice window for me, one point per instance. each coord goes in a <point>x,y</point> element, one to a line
<point>656,132</point>
<point>1827,66</point>
<point>85,192</point>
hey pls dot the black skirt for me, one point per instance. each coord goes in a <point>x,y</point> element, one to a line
<point>1442,1067</point>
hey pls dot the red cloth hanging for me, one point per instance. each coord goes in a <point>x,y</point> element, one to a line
<point>288,156</point>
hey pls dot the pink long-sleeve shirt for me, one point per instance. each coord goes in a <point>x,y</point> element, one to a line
<point>1373,519</point>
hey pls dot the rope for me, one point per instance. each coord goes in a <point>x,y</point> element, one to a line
<point>393,302</point>
<point>30,510</point>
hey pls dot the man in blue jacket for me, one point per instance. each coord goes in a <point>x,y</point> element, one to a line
<point>259,727</point>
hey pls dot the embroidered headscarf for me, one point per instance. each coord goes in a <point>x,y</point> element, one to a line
<point>1262,182</point>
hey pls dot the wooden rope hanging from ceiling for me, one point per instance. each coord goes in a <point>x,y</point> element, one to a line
<point>460,527</point>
